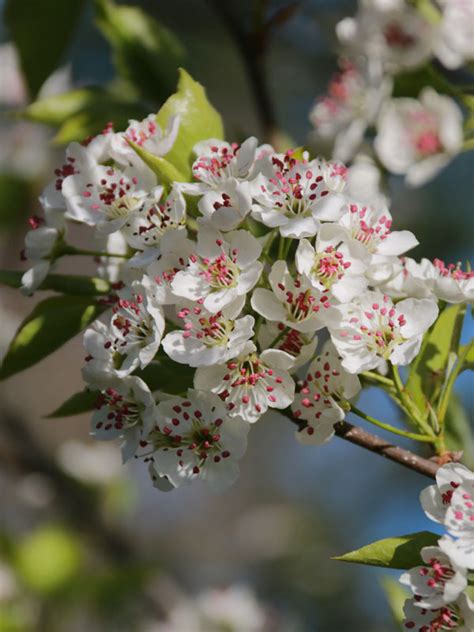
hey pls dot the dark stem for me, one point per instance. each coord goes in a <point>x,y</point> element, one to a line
<point>252,47</point>
<point>375,444</point>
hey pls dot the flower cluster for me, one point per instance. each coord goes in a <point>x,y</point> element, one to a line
<point>228,283</point>
<point>416,137</point>
<point>439,586</point>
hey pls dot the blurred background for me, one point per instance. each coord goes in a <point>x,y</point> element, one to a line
<point>89,545</point>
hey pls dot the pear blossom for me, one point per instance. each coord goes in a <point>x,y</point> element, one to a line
<point>132,337</point>
<point>172,256</point>
<point>155,216</point>
<point>124,409</point>
<point>393,276</point>
<point>351,105</point>
<point>148,135</point>
<point>194,438</point>
<point>447,282</point>
<point>106,196</point>
<point>332,265</point>
<point>217,161</point>
<point>371,227</point>
<point>296,195</point>
<point>294,302</point>
<point>459,521</point>
<point>207,338</point>
<point>374,330</point>
<point>457,616</point>
<point>322,397</point>
<point>298,346</point>
<point>418,137</point>
<point>436,499</point>
<point>221,270</point>
<point>454,41</point>
<point>251,383</point>
<point>439,581</point>
<point>226,206</point>
<point>391,38</point>
<point>41,242</point>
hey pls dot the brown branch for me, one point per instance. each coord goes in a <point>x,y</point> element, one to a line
<point>252,47</point>
<point>375,444</point>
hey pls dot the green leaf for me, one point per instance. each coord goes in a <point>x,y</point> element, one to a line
<point>396,596</point>
<point>51,323</point>
<point>427,372</point>
<point>71,285</point>
<point>41,32</point>
<point>400,552</point>
<point>77,404</point>
<point>84,112</point>
<point>15,199</point>
<point>145,53</point>
<point>166,172</point>
<point>458,431</point>
<point>198,121</point>
<point>468,363</point>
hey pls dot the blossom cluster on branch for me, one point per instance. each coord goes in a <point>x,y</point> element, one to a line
<point>234,275</point>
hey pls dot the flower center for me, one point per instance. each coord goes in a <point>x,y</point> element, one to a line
<point>397,37</point>
<point>452,270</point>
<point>329,266</point>
<point>212,330</point>
<point>221,272</point>
<point>220,165</point>
<point>370,233</point>
<point>122,412</point>
<point>301,305</point>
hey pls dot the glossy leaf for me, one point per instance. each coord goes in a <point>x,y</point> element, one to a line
<point>400,552</point>
<point>52,323</point>
<point>198,121</point>
<point>41,32</point>
<point>166,172</point>
<point>145,53</point>
<point>458,430</point>
<point>77,404</point>
<point>72,285</point>
<point>427,371</point>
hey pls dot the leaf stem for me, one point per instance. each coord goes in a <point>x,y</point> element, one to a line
<point>409,405</point>
<point>446,394</point>
<point>389,428</point>
<point>71,250</point>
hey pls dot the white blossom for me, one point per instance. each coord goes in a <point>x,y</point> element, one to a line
<point>391,39</point>
<point>251,383</point>
<point>148,135</point>
<point>292,301</point>
<point>194,438</point>
<point>155,216</point>
<point>454,41</point>
<point>207,338</point>
<point>459,521</point>
<point>221,270</point>
<point>457,616</point>
<point>436,499</point>
<point>125,409</point>
<point>447,282</point>
<point>393,276</point>
<point>418,137</point>
<point>322,397</point>
<point>439,581</point>
<point>372,227</point>
<point>296,195</point>
<point>351,105</point>
<point>374,330</point>
<point>332,265</point>
<point>298,346</point>
<point>132,337</point>
<point>226,206</point>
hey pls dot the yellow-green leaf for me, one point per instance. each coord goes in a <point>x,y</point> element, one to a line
<point>198,121</point>
<point>398,552</point>
<point>166,172</point>
<point>79,403</point>
<point>51,323</point>
<point>73,285</point>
